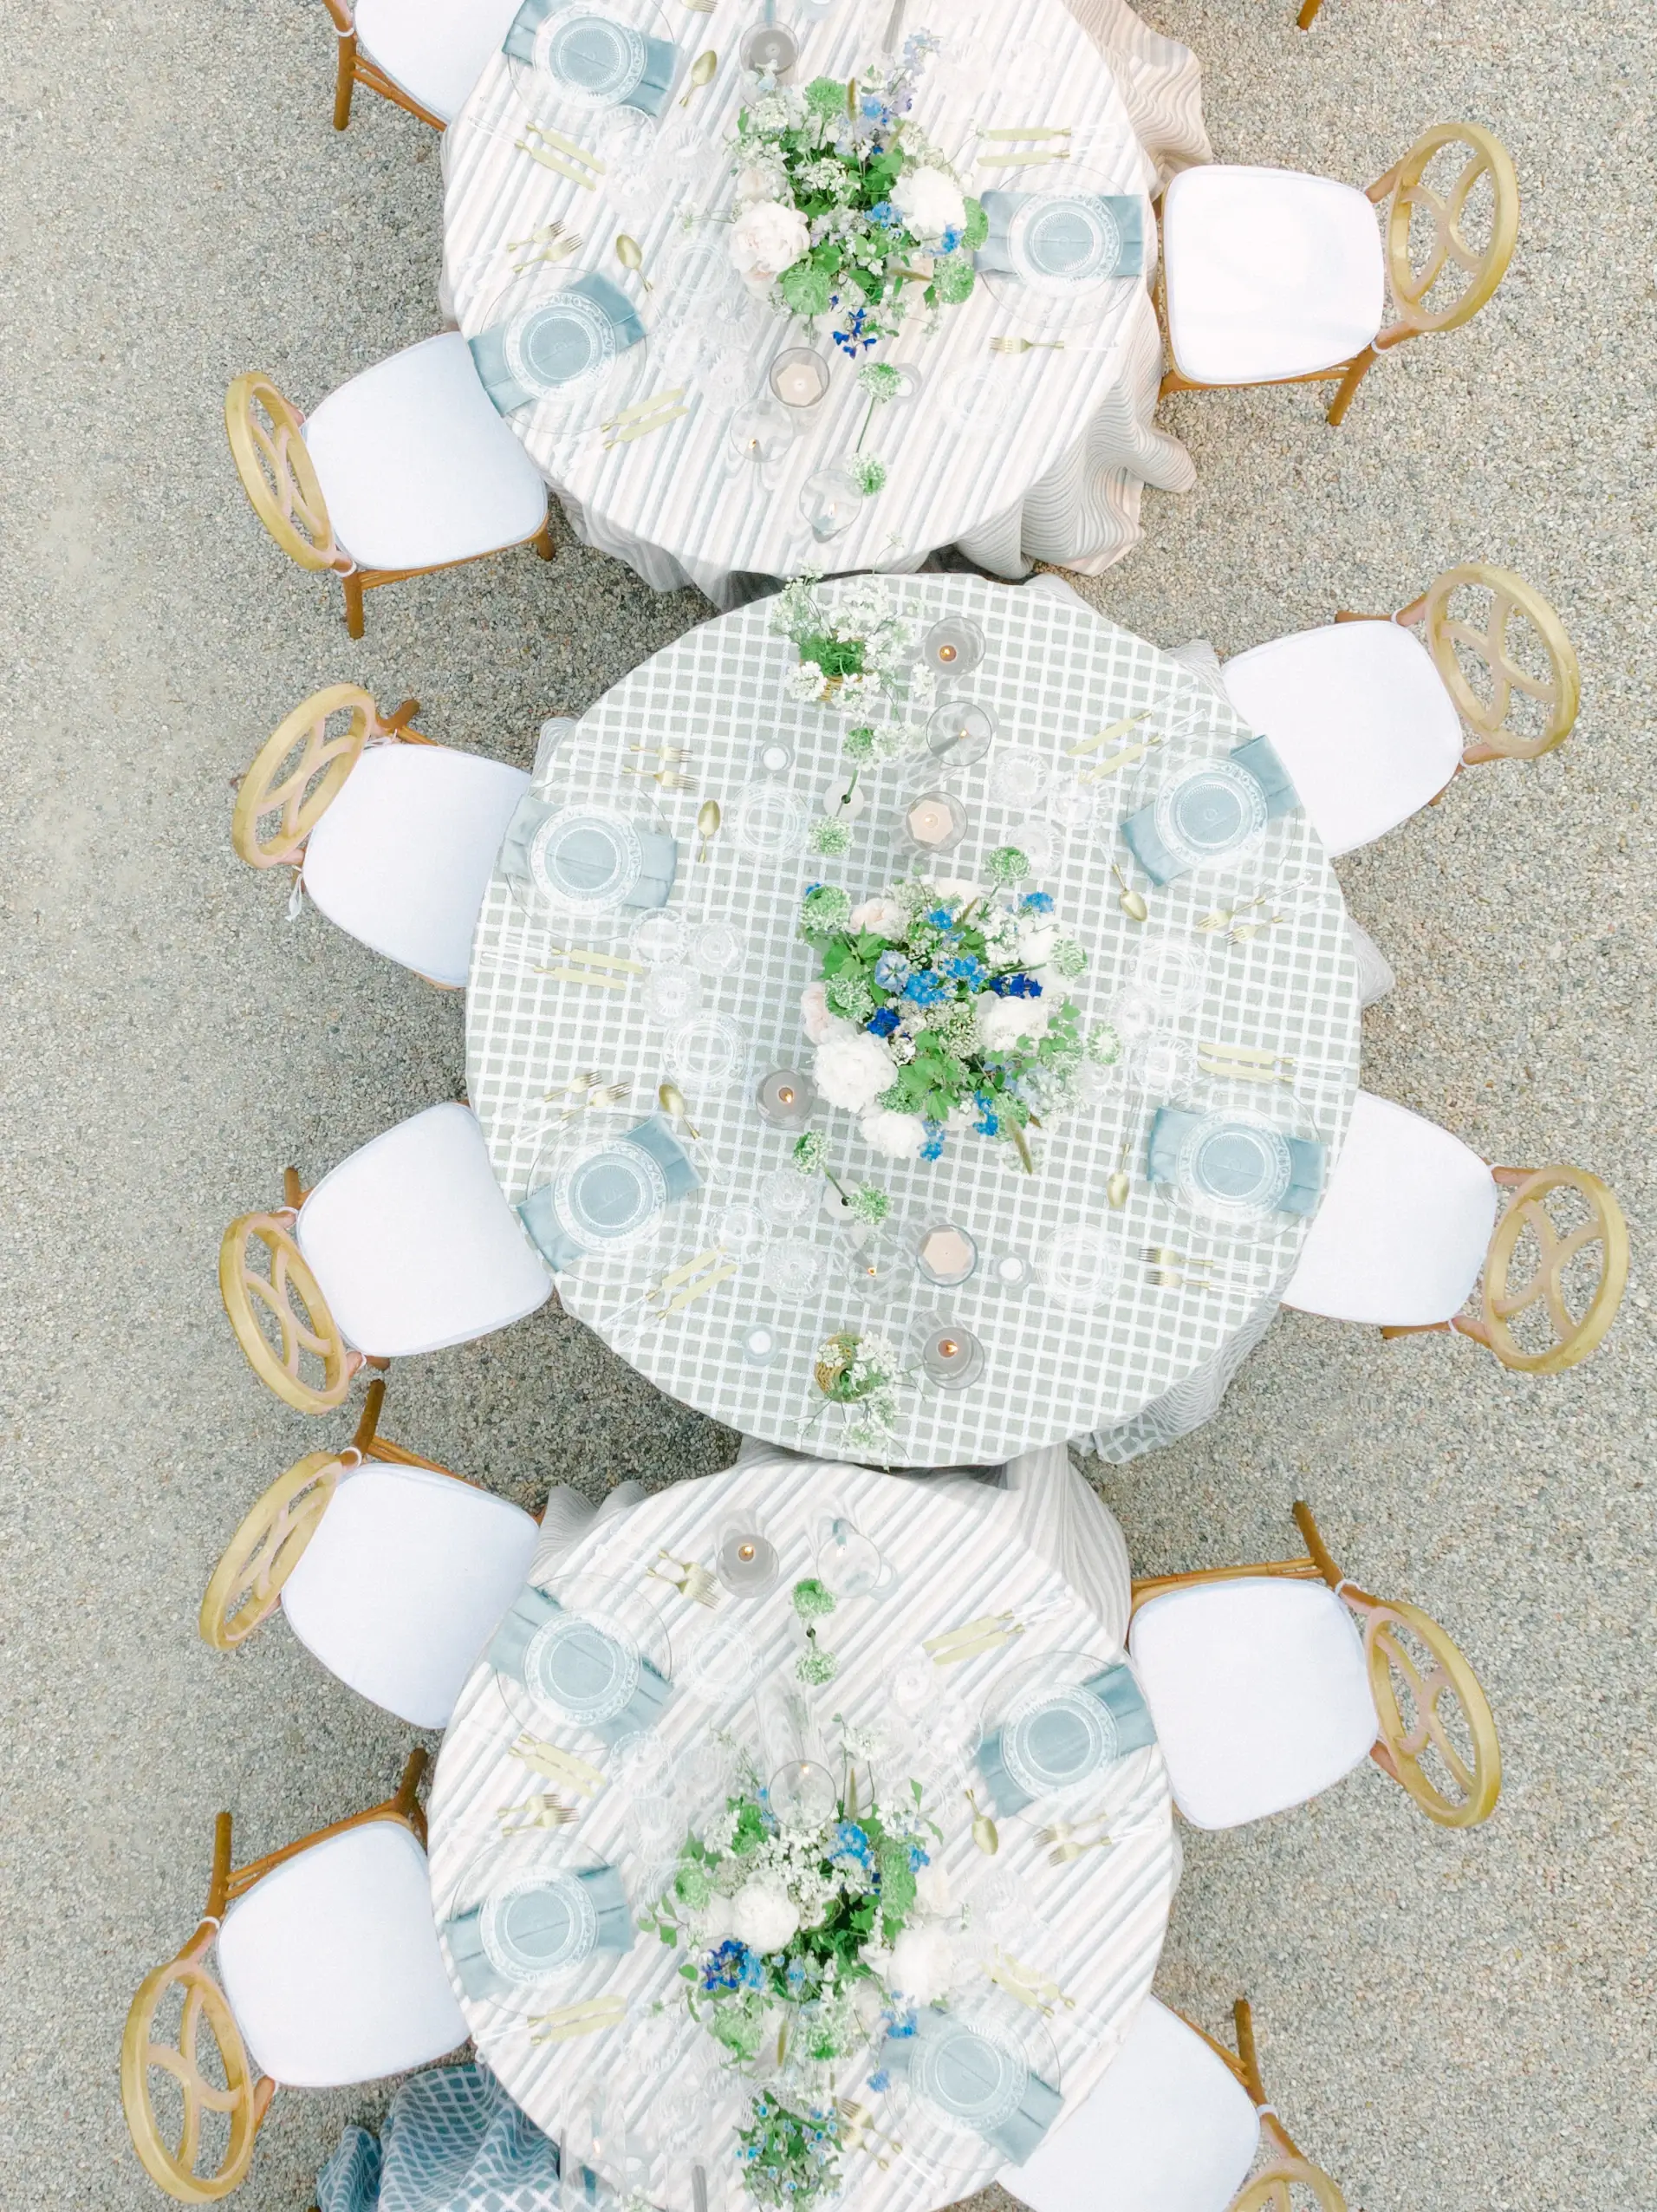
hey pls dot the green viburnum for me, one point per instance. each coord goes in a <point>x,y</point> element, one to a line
<point>1007,865</point>
<point>869,1205</point>
<point>858,745</point>
<point>867,473</point>
<point>880,379</point>
<point>952,282</point>
<point>1104,1044</point>
<point>829,837</point>
<point>812,1599</point>
<point>808,1153</point>
<point>849,996</point>
<point>825,96</point>
<point>825,908</point>
<point>816,1666</point>
<point>1068,958</point>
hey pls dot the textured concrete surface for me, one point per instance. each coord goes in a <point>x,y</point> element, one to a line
<point>1456,2022</point>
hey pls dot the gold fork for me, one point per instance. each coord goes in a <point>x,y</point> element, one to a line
<point>542,1811</point>
<point>691,1579</point>
<point>561,250</point>
<point>1025,345</point>
<point>1246,1062</point>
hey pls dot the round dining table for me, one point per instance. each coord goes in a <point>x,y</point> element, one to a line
<point>966,1589</point>
<point>1107,1298</point>
<point>1039,452</point>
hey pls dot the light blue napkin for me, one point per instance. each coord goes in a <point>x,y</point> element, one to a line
<point>1170,1125</point>
<point>1258,759</point>
<point>488,347</point>
<point>660,854</point>
<point>1119,1693</point>
<point>1126,211</point>
<point>554,1243</point>
<point>1021,2132</point>
<point>662,55</point>
<point>480,1977</point>
<point>531,1612</point>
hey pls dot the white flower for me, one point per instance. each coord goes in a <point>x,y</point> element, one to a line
<point>923,685</point>
<point>715,1920</point>
<point>763,1916</point>
<point>923,1965</point>
<point>1037,938</point>
<point>1001,1022</point>
<point>900,1136</point>
<point>932,1888</point>
<point>929,201</point>
<point>852,1070</point>
<point>766,237</point>
<point>815,1020</point>
<point>884,916</point>
<point>805,683</point>
<point>752,184</point>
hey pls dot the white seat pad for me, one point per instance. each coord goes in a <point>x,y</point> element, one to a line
<point>413,1244</point>
<point>331,1963</point>
<point>417,468</point>
<point>1260,1694</point>
<point>405,1581</point>
<point>403,857</point>
<point>1168,2128</point>
<point>1268,273</point>
<point>1360,718</point>
<point>436,49</point>
<point>1402,1231</point>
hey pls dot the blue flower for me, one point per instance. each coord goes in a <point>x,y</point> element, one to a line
<point>881,1022</point>
<point>851,1841</point>
<point>879,2081</point>
<point>918,1858</point>
<point>939,917</point>
<point>1015,986</point>
<point>881,213</point>
<point>892,971</point>
<point>1037,902</point>
<point>925,989</point>
<point>934,1148</point>
<point>949,240</point>
<point>967,968</point>
<point>733,1965</point>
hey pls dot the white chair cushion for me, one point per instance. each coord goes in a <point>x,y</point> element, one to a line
<point>1259,1692</point>
<point>403,857</point>
<point>413,1244</point>
<point>1360,718</point>
<point>404,1583</point>
<point>435,49</point>
<point>1268,273</point>
<point>417,468</point>
<point>1402,1231</point>
<point>1168,2128</point>
<point>331,1963</point>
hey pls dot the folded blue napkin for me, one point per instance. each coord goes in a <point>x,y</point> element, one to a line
<point>1259,760</point>
<point>533,1913</point>
<point>1020,2133</point>
<point>488,347</point>
<point>1124,212</point>
<point>658,851</point>
<point>556,1244</point>
<point>662,55</point>
<point>1170,1125</point>
<point>1117,1691</point>
<point>531,1612</point>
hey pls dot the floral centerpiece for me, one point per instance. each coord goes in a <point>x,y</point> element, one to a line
<point>942,1006</point>
<point>847,208</point>
<point>805,1938</point>
<point>856,656</point>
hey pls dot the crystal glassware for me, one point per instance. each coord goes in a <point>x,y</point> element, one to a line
<point>762,431</point>
<point>848,1562</point>
<point>747,1562</point>
<point>953,646</point>
<point>769,50</point>
<point>776,757</point>
<point>960,733</point>
<point>831,500</point>
<point>934,822</point>
<point>802,1794</point>
<point>706,1050</point>
<point>952,1357</point>
<point>788,1198</point>
<point>715,948</point>
<point>672,993</point>
<point>945,1254</point>
<point>799,377</point>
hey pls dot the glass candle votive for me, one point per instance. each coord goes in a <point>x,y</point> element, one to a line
<point>715,948</point>
<point>960,733</point>
<point>759,1345</point>
<point>1010,1271</point>
<point>945,1254</point>
<point>953,646</point>
<point>776,757</point>
<point>785,1098</point>
<point>952,1357</point>
<point>802,1794</point>
<point>871,1266</point>
<point>787,1199</point>
<point>799,376</point>
<point>769,50</point>
<point>935,822</point>
<point>673,993</point>
<point>746,1562</point>
<point>762,431</point>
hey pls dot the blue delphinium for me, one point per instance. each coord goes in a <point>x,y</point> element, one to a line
<point>881,1022</point>
<point>892,971</point>
<point>934,1147</point>
<point>925,989</point>
<point>879,2081</point>
<point>733,1965</point>
<point>1037,902</point>
<point>939,917</point>
<point>851,1842</point>
<point>967,968</point>
<point>1015,986</point>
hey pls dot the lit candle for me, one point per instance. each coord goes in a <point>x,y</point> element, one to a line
<point>946,1254</point>
<point>952,1358</point>
<point>785,1098</point>
<point>747,1562</point>
<point>935,820</point>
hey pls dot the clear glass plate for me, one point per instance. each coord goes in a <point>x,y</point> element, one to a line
<point>589,57</point>
<point>535,1924</point>
<point>1079,1266</point>
<point>1055,1735</point>
<point>1209,812</point>
<point>558,342</point>
<point>562,350</point>
<point>608,1193</point>
<point>1234,1168</point>
<point>1063,243</point>
<point>585,857</point>
<point>968,2074</point>
<point>770,821</point>
<point>708,1050</point>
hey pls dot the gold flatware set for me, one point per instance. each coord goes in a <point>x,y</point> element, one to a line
<point>984,1829</point>
<point>644,416</point>
<point>1245,1062</point>
<point>557,1764</point>
<point>561,155</point>
<point>671,1099</point>
<point>534,1812</point>
<point>1131,902</point>
<point>552,243</point>
<point>565,2022</point>
<point>703,69</point>
<point>689,1576</point>
<point>1027,1984</point>
<point>582,964</point>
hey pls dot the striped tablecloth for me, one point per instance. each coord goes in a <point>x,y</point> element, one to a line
<point>1056,470</point>
<point>1043,1542</point>
<point>1054,672</point>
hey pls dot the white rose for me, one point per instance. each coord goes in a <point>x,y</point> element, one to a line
<point>932,1888</point>
<point>923,1965</point>
<point>852,1070</point>
<point>766,237</point>
<point>751,184</point>
<point>1001,1022</point>
<point>815,1017</point>
<point>886,917</point>
<point>929,201</point>
<point>763,1917</point>
<point>900,1136</point>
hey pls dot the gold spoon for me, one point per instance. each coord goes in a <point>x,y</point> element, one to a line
<point>629,254</point>
<point>984,1829</point>
<point>703,70</point>
<point>673,1102</point>
<point>708,818</point>
<point>1117,1188</point>
<point>1131,902</point>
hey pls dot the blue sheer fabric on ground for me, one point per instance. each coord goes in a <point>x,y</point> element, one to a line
<point>453,2142</point>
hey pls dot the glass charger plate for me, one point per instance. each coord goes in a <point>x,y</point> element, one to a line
<point>584,861</point>
<point>563,351</point>
<point>537,1924</point>
<point>1063,242</point>
<point>1056,1741</point>
<point>589,56</point>
<point>1234,1165</point>
<point>971,2071</point>
<point>609,1194</point>
<point>584,1667</point>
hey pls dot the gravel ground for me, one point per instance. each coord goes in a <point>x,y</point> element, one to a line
<point>1456,2022</point>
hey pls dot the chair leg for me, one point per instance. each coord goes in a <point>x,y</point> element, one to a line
<point>1351,382</point>
<point>1417,1329</point>
<point>1305,17</point>
<point>353,603</point>
<point>1174,383</point>
<point>348,77</point>
<point>542,541</point>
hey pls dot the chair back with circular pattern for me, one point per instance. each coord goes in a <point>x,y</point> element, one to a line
<point>1441,280</point>
<point>175,2160</point>
<point>281,1318</point>
<point>1451,1766</point>
<point>246,1584</point>
<point>1507,688</point>
<point>278,474</point>
<point>1576,1276</point>
<point>300,771</point>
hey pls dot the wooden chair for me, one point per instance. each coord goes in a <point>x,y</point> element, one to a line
<point>1409,1221</point>
<point>1176,2123</point>
<point>397,1592</point>
<point>423,55</point>
<point>406,468</point>
<point>400,859</point>
<point>1308,14</point>
<point>379,2003</point>
<point>409,1239</point>
<point>1271,277</point>
<point>1373,724</point>
<point>1262,1695</point>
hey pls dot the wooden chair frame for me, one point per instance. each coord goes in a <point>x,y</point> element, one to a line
<point>1308,14</point>
<point>283,489</point>
<point>357,68</point>
<point>300,799</point>
<point>1403,185</point>
<point>247,1583</point>
<point>1400,1745</point>
<point>1271,2186</point>
<point>246,2096</point>
<point>1560,691</point>
<point>291,1295</point>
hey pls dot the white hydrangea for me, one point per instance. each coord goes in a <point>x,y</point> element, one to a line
<point>898,1136</point>
<point>884,915</point>
<point>929,202</point>
<point>1037,935</point>
<point>1003,1022</point>
<point>852,1070</point>
<point>923,1965</point>
<point>764,1916</point>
